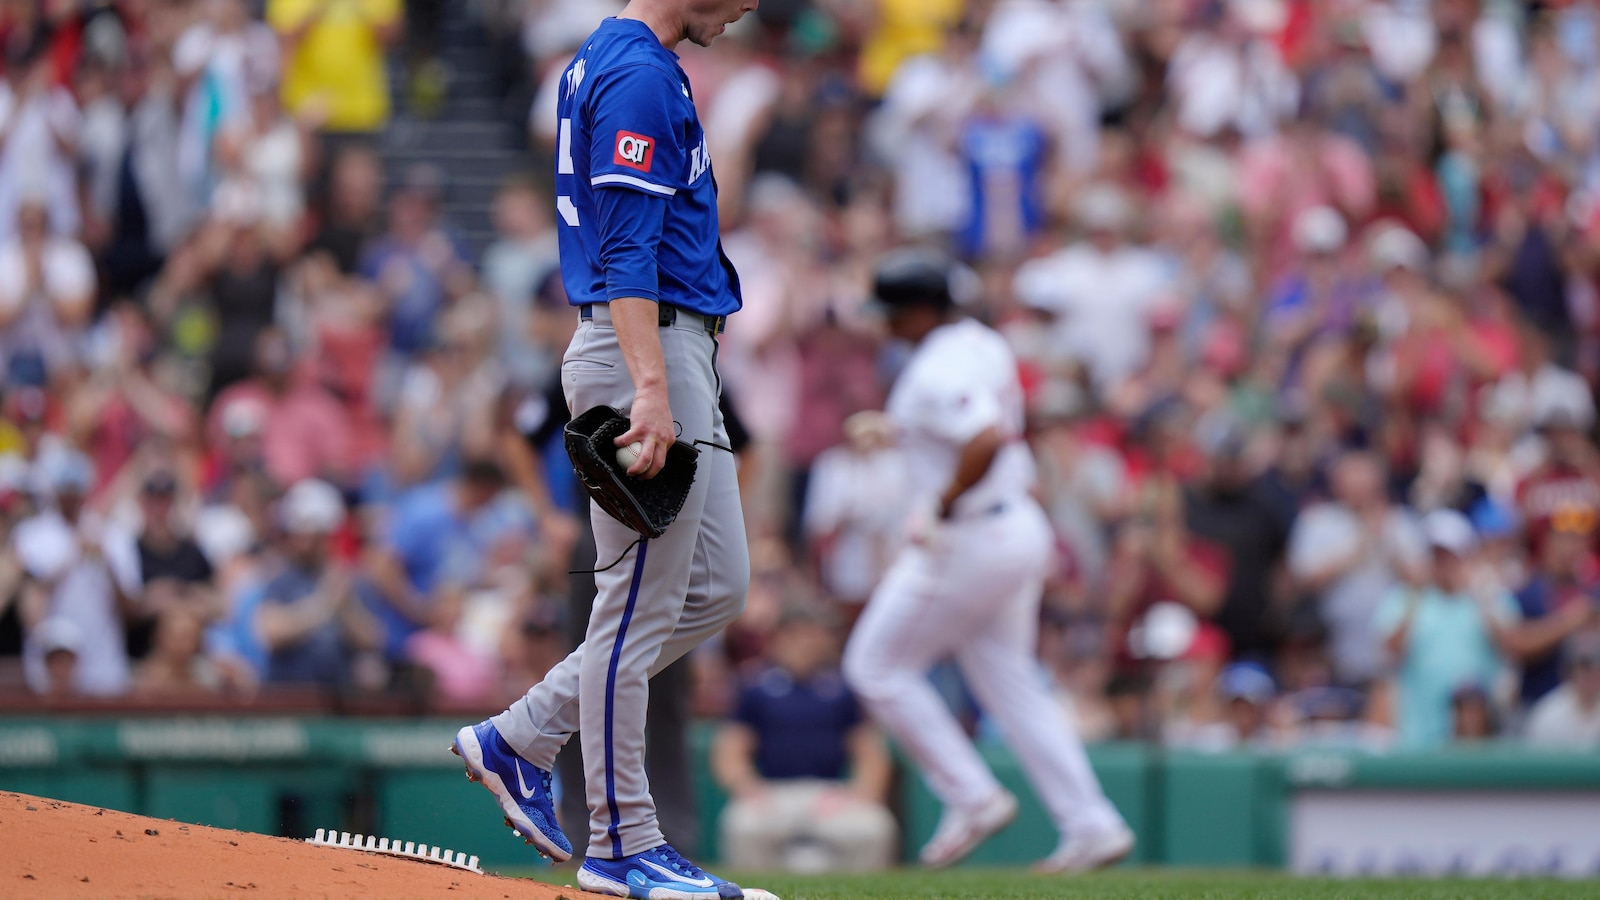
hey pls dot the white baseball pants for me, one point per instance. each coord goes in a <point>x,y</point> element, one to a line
<point>974,596</point>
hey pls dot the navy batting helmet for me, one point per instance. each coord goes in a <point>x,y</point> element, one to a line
<point>915,277</point>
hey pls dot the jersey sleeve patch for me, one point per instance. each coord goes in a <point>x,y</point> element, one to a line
<point>635,151</point>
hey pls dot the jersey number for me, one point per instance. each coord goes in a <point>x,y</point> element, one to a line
<point>564,205</point>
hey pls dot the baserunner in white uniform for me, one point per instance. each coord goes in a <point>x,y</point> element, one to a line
<point>968,585</point>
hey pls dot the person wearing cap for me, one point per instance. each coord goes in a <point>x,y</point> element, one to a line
<point>307,615</point>
<point>1321,294</point>
<point>79,568</point>
<point>1540,390</point>
<point>60,642</point>
<point>968,582</point>
<point>1569,716</point>
<point>1451,631</point>
<point>1246,693</point>
<point>1566,482</point>
<point>806,772</point>
<point>176,574</point>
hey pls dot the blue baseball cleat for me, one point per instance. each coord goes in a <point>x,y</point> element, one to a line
<point>521,788</point>
<point>658,874</point>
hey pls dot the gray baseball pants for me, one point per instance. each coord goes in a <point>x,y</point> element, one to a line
<point>664,598</point>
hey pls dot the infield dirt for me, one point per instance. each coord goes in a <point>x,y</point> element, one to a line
<point>63,850</point>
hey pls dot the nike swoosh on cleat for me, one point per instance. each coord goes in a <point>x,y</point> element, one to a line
<point>521,784</point>
<point>677,877</point>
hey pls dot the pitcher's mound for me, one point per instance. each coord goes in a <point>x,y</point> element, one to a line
<point>63,850</point>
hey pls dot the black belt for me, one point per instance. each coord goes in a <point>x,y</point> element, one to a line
<point>667,316</point>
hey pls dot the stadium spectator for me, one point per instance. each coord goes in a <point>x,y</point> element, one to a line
<point>1238,714</point>
<point>176,667</point>
<point>60,642</point>
<point>1472,714</point>
<point>1569,716</point>
<point>1446,636</point>
<point>82,570</point>
<point>1230,509</point>
<point>47,292</point>
<point>854,508</point>
<point>808,776</point>
<point>175,573</point>
<point>308,617</point>
<point>1350,553</point>
<point>303,431</point>
<point>419,264</point>
<point>39,130</point>
<point>1100,289</point>
<point>514,267</point>
<point>437,534</point>
<point>1160,569</point>
<point>1559,601</point>
<point>333,60</point>
<point>352,214</point>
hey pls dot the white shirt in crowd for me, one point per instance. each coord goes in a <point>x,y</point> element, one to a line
<point>33,311</point>
<point>32,160</point>
<point>858,498</point>
<point>914,132</point>
<point>1063,64</point>
<point>82,592</point>
<point>1217,83</point>
<point>1525,401</point>
<point>961,380</point>
<point>1331,531</point>
<point>1102,303</point>
<point>1559,720</point>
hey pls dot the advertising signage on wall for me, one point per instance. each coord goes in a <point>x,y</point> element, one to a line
<point>1445,832</point>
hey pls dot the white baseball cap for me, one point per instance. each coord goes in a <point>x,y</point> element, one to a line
<point>59,634</point>
<point>311,507</point>
<point>1449,530</point>
<point>1396,247</point>
<point>1320,229</point>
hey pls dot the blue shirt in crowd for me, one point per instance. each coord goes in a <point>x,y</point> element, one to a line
<point>801,727</point>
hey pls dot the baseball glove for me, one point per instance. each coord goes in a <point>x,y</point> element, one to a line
<point>647,506</point>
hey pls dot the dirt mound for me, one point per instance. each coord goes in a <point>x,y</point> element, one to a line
<point>63,850</point>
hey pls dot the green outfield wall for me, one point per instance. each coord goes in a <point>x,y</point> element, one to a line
<point>1492,809</point>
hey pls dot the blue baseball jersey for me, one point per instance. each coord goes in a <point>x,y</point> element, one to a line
<point>634,191</point>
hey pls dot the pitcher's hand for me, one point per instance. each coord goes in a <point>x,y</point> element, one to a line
<point>650,423</point>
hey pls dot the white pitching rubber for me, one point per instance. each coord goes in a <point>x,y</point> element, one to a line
<point>367,843</point>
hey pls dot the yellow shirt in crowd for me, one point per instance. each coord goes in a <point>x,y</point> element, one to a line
<point>906,28</point>
<point>338,61</point>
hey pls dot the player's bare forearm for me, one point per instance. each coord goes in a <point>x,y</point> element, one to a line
<point>636,321</point>
<point>976,458</point>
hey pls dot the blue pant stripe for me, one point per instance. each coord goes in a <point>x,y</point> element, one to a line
<point>611,696</point>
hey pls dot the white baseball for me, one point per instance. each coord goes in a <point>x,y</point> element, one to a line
<point>627,456</point>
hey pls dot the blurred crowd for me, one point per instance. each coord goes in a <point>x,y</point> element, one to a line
<point>1306,297</point>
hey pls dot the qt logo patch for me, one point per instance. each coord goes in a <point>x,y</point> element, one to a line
<point>634,151</point>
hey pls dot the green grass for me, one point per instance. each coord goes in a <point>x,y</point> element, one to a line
<point>1134,884</point>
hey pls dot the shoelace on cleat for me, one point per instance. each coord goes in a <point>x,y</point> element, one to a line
<point>678,863</point>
